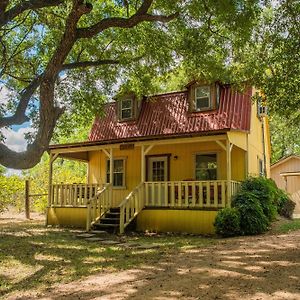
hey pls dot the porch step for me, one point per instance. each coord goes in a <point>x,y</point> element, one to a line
<point>110,222</point>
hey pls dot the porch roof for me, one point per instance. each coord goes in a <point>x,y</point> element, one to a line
<point>79,150</point>
<point>167,115</point>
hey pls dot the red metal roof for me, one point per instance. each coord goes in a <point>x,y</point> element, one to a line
<point>168,115</point>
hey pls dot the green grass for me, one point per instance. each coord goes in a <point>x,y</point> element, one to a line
<point>289,226</point>
<point>33,257</point>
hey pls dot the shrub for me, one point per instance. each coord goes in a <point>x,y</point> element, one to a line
<point>287,208</point>
<point>227,222</point>
<point>252,217</point>
<point>265,190</point>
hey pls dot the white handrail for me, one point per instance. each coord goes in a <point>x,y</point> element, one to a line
<point>131,206</point>
<point>98,206</point>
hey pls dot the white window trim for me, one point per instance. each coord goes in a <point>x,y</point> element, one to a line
<point>118,187</point>
<point>122,109</point>
<point>209,98</point>
<point>203,153</point>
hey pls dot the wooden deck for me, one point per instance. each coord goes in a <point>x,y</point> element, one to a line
<point>97,198</point>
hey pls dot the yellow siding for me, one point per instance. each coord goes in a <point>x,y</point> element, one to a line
<point>255,144</point>
<point>67,216</point>
<point>94,174</point>
<point>238,138</point>
<point>238,171</point>
<point>192,221</point>
<point>181,168</point>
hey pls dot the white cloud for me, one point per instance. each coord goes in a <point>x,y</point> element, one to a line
<point>4,94</point>
<point>15,140</point>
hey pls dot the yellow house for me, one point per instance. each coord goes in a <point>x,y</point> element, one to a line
<point>163,163</point>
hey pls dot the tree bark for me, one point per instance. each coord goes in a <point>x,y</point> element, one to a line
<point>48,112</point>
<point>7,16</point>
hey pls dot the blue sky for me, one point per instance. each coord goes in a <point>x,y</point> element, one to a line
<point>14,137</point>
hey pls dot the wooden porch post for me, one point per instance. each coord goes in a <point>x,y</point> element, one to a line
<point>53,157</point>
<point>228,161</point>
<point>111,173</point>
<point>143,171</point>
<point>111,170</point>
<point>144,151</point>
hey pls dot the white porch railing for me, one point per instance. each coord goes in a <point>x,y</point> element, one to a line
<point>191,194</point>
<point>98,206</point>
<point>73,195</point>
<point>235,186</point>
<point>131,206</point>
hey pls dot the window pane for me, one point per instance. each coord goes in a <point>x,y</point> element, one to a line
<point>126,113</point>
<point>202,103</point>
<point>126,103</point>
<point>118,179</point>
<point>206,167</point>
<point>118,172</point>
<point>203,91</point>
<point>118,165</point>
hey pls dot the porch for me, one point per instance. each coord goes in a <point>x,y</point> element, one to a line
<point>182,174</point>
<point>96,199</point>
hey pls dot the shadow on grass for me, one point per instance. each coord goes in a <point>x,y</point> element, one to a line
<point>37,257</point>
<point>263,267</point>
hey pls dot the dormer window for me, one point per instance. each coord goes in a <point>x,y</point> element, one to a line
<point>202,98</point>
<point>126,109</point>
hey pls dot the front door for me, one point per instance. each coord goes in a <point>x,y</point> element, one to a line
<point>157,173</point>
<point>158,168</point>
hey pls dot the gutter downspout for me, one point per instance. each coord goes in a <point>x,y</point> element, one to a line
<point>264,145</point>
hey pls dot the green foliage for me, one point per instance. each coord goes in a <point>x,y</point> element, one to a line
<point>11,192</point>
<point>64,171</point>
<point>252,217</point>
<point>227,222</point>
<point>287,208</point>
<point>285,136</point>
<point>265,191</point>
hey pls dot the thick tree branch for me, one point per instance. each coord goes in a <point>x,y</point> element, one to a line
<point>87,64</point>
<point>9,15</point>
<point>19,117</point>
<point>140,16</point>
<point>48,112</point>
<point>116,22</point>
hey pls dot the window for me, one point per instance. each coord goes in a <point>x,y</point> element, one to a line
<point>261,167</point>
<point>202,98</point>
<point>118,172</point>
<point>206,166</point>
<point>126,109</point>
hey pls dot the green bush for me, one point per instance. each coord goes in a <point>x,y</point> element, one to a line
<point>227,222</point>
<point>287,208</point>
<point>266,192</point>
<point>252,217</point>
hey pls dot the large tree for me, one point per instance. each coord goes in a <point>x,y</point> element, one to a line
<point>61,57</point>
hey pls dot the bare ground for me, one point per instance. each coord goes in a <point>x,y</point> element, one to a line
<point>260,267</point>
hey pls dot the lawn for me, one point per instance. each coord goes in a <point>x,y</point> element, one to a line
<point>45,263</point>
<point>33,257</point>
<point>288,226</point>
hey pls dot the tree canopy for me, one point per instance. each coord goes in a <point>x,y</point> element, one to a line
<point>62,59</point>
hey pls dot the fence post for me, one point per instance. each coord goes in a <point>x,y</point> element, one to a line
<point>27,205</point>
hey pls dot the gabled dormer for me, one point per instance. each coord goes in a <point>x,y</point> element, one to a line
<point>128,107</point>
<point>203,96</point>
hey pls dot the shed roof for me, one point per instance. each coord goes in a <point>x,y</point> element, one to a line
<point>168,115</point>
<point>284,160</point>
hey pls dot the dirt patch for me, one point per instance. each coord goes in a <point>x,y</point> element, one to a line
<point>260,267</point>
<point>13,217</point>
